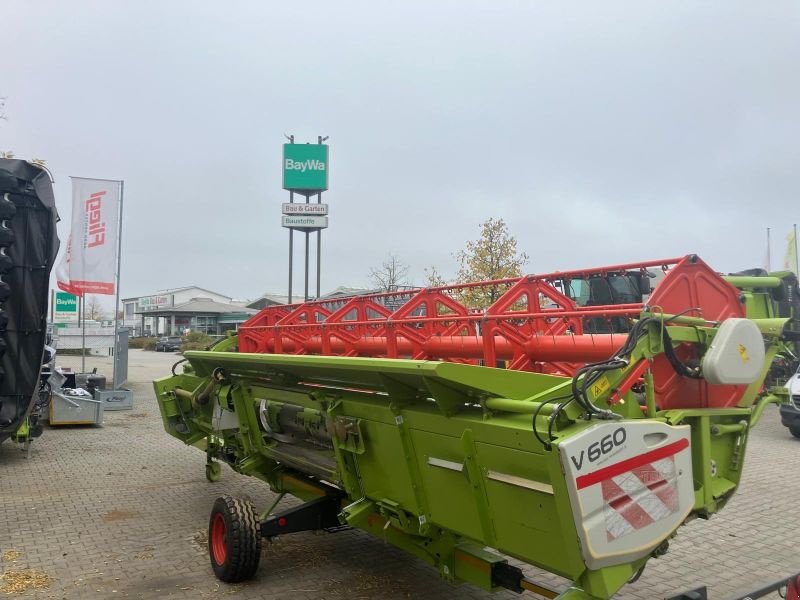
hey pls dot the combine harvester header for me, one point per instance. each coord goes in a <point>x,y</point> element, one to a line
<point>574,424</point>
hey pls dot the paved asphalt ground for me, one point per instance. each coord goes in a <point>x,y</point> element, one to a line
<point>120,511</point>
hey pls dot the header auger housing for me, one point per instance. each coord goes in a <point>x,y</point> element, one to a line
<point>582,455</point>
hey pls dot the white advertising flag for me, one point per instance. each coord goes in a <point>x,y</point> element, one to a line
<point>89,263</point>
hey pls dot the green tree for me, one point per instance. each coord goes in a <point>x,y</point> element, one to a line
<point>433,278</point>
<point>493,255</point>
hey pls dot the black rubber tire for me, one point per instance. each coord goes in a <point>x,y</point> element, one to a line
<point>242,539</point>
<point>795,431</point>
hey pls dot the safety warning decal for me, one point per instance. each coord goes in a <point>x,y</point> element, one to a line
<point>640,497</point>
<point>637,493</point>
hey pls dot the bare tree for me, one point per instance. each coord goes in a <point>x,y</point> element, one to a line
<point>3,117</point>
<point>392,274</point>
<point>93,310</point>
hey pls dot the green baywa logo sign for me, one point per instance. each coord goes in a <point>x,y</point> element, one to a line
<point>305,167</point>
<point>66,307</point>
<point>308,165</point>
<point>66,302</point>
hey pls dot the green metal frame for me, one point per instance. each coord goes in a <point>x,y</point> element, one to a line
<point>440,459</point>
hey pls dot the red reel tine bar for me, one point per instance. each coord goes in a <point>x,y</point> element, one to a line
<point>542,323</point>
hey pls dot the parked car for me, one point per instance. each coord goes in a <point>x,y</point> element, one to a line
<point>170,343</point>
<point>790,413</point>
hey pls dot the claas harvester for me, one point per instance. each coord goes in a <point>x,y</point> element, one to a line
<point>573,421</point>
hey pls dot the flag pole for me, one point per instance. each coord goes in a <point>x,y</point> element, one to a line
<point>796,257</point>
<point>769,257</point>
<point>83,334</point>
<point>116,298</point>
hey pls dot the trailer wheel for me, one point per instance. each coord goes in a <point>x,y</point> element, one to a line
<point>213,471</point>
<point>234,539</point>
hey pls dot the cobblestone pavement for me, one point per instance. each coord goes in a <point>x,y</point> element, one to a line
<point>121,511</point>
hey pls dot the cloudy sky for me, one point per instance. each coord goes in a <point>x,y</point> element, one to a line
<point>601,132</point>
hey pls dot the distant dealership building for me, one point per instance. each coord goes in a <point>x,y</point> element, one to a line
<point>178,310</point>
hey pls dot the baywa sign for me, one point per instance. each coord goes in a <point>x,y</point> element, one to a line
<point>305,167</point>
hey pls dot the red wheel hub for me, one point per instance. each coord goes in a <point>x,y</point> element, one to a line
<point>219,548</point>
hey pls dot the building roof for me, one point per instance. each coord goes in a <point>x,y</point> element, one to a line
<point>268,299</point>
<point>349,291</point>
<point>199,305</point>
<point>174,291</point>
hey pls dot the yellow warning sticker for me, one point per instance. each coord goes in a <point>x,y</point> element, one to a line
<point>600,386</point>
<point>743,354</point>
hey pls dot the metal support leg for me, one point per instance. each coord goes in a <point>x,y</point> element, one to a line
<point>512,578</point>
<point>322,513</point>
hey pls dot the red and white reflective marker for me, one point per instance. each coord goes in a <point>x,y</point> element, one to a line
<point>630,487</point>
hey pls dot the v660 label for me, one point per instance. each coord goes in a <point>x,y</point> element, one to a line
<point>604,446</point>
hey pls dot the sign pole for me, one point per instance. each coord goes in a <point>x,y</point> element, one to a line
<point>291,250</point>
<point>83,332</point>
<point>319,237</point>
<point>307,236</point>
<point>116,297</point>
<point>305,171</point>
<point>319,249</point>
<point>291,237</point>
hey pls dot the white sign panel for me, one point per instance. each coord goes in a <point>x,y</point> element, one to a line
<point>155,302</point>
<point>89,264</point>
<point>299,208</point>
<point>302,221</point>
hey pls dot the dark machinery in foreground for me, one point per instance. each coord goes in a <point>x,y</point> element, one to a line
<point>28,248</point>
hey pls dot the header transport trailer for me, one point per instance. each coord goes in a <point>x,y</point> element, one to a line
<point>467,436</point>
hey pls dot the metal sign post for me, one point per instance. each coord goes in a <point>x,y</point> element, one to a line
<point>305,293</point>
<point>291,235</point>
<point>82,317</point>
<point>291,246</point>
<point>116,297</point>
<point>305,171</point>
<point>319,247</point>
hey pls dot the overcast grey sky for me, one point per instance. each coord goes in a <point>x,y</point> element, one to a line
<point>601,131</point>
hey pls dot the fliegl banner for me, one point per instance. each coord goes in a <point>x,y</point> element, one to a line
<point>89,264</point>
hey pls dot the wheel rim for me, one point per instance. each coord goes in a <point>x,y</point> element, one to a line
<point>219,550</point>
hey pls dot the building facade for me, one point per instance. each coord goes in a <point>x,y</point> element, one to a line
<point>179,310</point>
